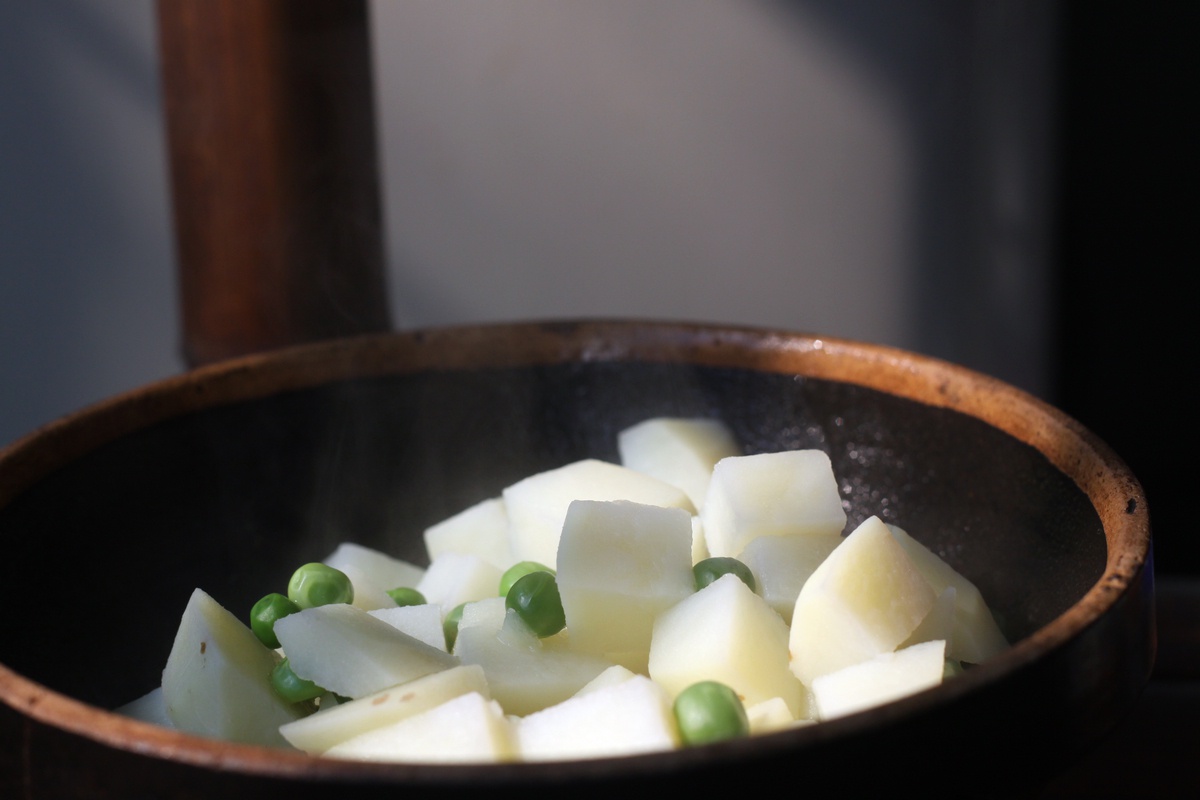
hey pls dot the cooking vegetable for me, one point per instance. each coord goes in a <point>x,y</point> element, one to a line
<point>710,711</point>
<point>727,633</point>
<point>265,613</point>
<point>406,596</point>
<point>634,640</point>
<point>865,599</point>
<point>317,584</point>
<point>621,565</point>
<point>351,653</point>
<point>770,494</point>
<point>290,686</point>
<point>450,625</point>
<point>216,679</point>
<point>536,600</point>
<point>518,571</point>
<point>681,452</point>
<point>710,569</point>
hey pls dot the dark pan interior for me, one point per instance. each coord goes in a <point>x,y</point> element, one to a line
<point>102,554</point>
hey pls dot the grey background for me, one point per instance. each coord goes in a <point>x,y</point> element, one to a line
<point>874,170</point>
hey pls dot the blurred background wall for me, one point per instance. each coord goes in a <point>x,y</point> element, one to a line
<point>889,172</point>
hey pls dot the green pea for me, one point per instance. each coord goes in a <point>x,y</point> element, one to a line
<point>450,626</point>
<point>518,571</point>
<point>404,596</point>
<point>290,686</point>
<point>317,584</point>
<point>536,600</point>
<point>710,569</point>
<point>265,613</point>
<point>710,712</point>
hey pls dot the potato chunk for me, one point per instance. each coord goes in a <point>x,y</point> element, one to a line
<point>620,565</point>
<point>976,636</point>
<point>884,678</point>
<point>347,651</point>
<point>865,599</point>
<point>524,676</point>
<point>330,727</point>
<point>538,504</point>
<point>627,717</point>
<point>468,728</point>
<point>771,494</point>
<point>681,452</point>
<point>217,679</point>
<point>480,530</point>
<point>726,633</point>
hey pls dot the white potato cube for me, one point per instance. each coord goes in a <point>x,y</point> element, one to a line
<point>610,677</point>
<point>373,573</point>
<point>455,578</point>
<point>217,679</point>
<point>938,623</point>
<point>367,594</point>
<point>699,545</point>
<point>886,677</point>
<point>681,452</point>
<point>620,565</point>
<point>976,635</point>
<point>523,676</point>
<point>150,707</point>
<point>423,622</point>
<point>771,494</point>
<point>625,718</point>
<point>319,732</point>
<point>481,530</point>
<point>782,564</point>
<point>865,599</point>
<point>726,633</point>
<point>769,716</point>
<point>347,651</point>
<point>538,504</point>
<point>489,613</point>
<point>467,729</point>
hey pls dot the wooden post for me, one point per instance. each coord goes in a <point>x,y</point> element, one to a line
<point>270,125</point>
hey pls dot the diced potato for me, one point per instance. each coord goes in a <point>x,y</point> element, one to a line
<point>976,635</point>
<point>150,707</point>
<point>699,545</point>
<point>610,677</point>
<point>886,677</point>
<point>347,651</point>
<point>865,599</point>
<point>217,679</point>
<point>319,732</point>
<point>423,622</point>
<point>481,530</point>
<point>468,728</point>
<point>455,578</point>
<point>620,565</point>
<point>538,504</point>
<point>771,494</point>
<point>628,717</point>
<point>367,594</point>
<point>768,716</point>
<point>373,574</point>
<point>524,676</point>
<point>681,452</point>
<point>726,633</point>
<point>782,564</point>
<point>938,623</point>
<point>489,612</point>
